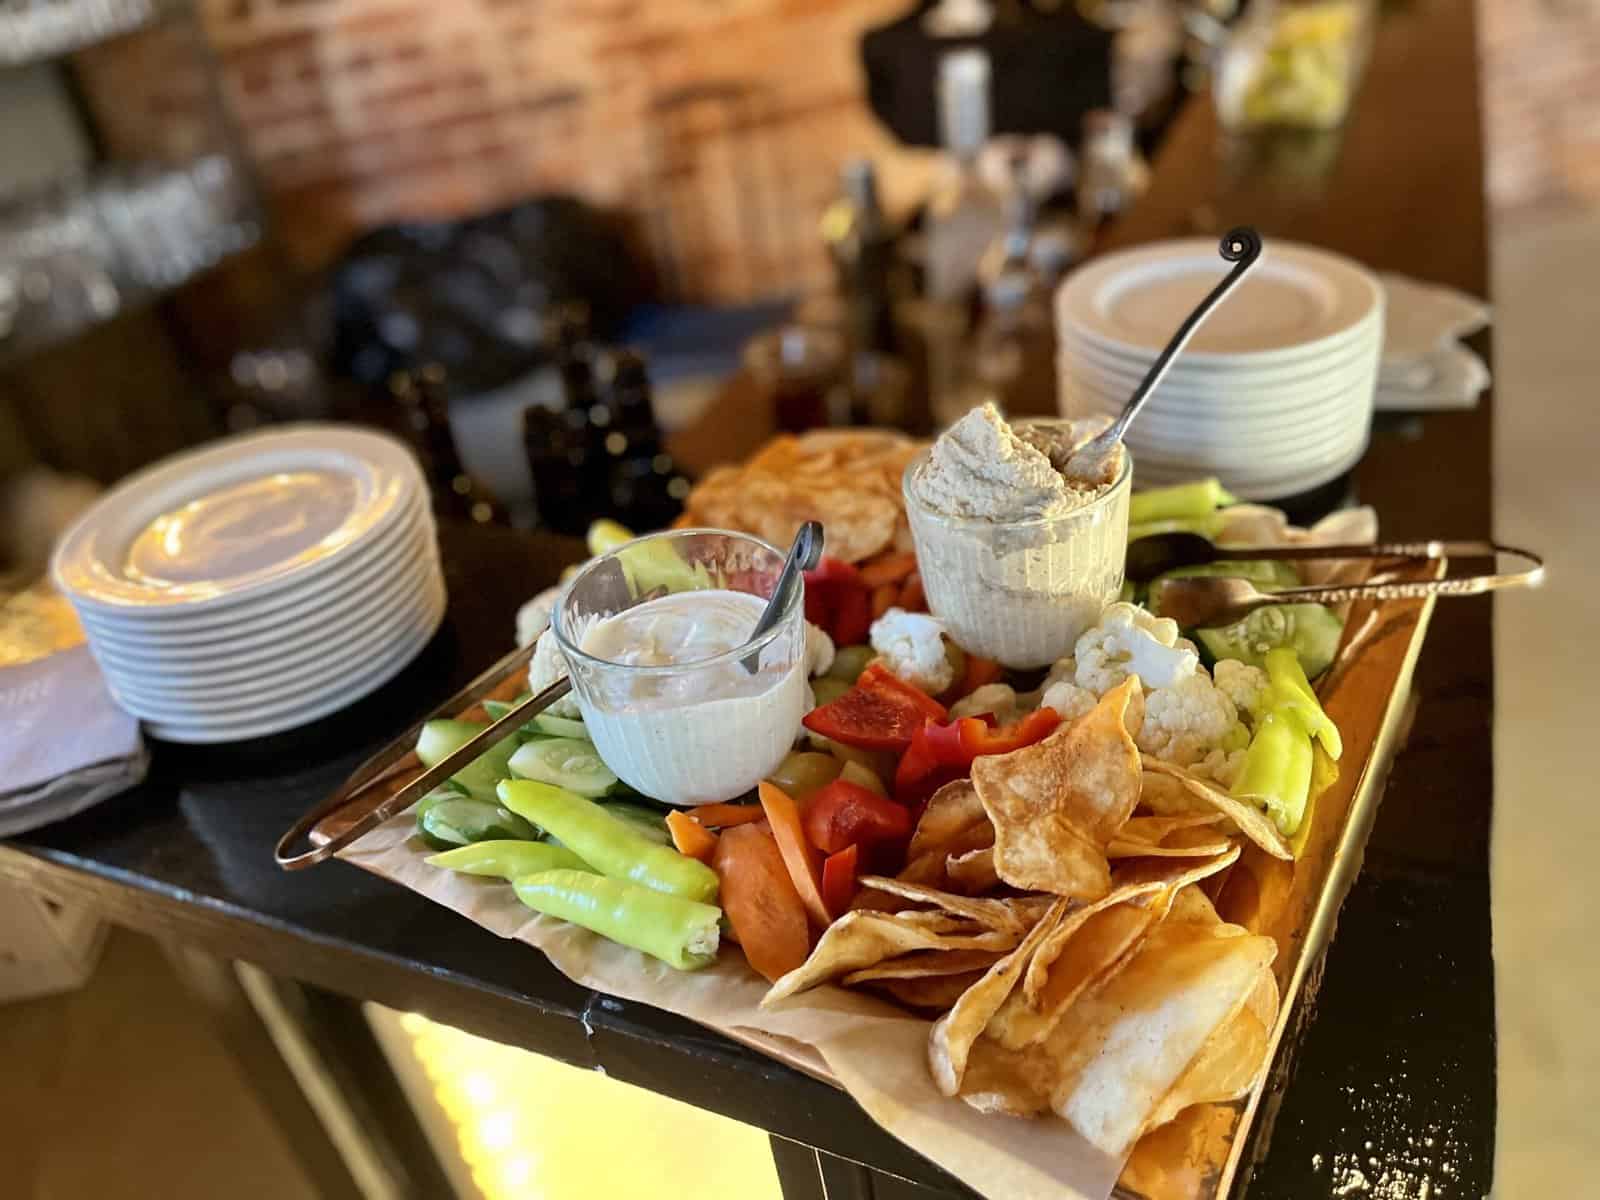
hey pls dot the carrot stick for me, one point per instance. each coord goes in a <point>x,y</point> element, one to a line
<point>912,597</point>
<point>883,598</point>
<point>722,816</point>
<point>888,568</point>
<point>691,837</point>
<point>798,856</point>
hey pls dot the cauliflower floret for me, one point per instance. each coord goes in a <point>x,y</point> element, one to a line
<point>1187,721</point>
<point>1001,699</point>
<point>1221,766</point>
<point>1129,641</point>
<point>912,646</point>
<point>533,616</point>
<point>1068,699</point>
<point>819,651</point>
<point>549,665</point>
<point>1245,685</point>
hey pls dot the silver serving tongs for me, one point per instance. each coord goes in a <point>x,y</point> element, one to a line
<point>383,766</point>
<point>1206,601</point>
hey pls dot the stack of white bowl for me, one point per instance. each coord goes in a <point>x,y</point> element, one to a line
<point>259,583</point>
<point>1274,395</point>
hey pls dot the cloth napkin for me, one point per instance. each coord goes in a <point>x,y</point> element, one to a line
<point>64,744</point>
<point>1424,365</point>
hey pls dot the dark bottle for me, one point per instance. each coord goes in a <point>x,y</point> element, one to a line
<point>645,488</point>
<point>567,337</point>
<point>862,246</point>
<point>424,402</point>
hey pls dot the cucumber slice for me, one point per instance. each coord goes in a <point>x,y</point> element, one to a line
<point>462,820</point>
<point>1312,630</point>
<point>1268,574</point>
<point>439,738</point>
<point>649,822</point>
<point>565,763</point>
<point>541,725</point>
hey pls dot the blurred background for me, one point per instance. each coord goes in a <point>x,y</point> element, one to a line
<point>541,239</point>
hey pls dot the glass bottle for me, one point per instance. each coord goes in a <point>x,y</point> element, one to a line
<point>424,401</point>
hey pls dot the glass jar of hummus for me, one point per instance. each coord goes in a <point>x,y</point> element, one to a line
<point>657,663</point>
<point>1017,560</point>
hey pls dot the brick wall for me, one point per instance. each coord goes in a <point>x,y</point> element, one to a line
<point>719,125</point>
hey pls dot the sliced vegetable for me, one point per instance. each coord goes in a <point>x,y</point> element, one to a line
<point>610,845</point>
<point>979,672</point>
<point>725,816</point>
<point>825,690</point>
<point>690,837</point>
<point>565,762</point>
<point>1291,693</point>
<point>682,933</point>
<point>846,814</point>
<point>1208,526</point>
<point>804,771</point>
<point>766,913</point>
<point>1276,774</point>
<point>1183,500</point>
<point>881,712</point>
<point>1311,630</point>
<point>439,739</point>
<point>839,880</point>
<point>838,602</point>
<point>912,597</point>
<point>939,753</point>
<point>648,822</point>
<point>888,568</point>
<point>460,820</point>
<point>880,762</point>
<point>541,723</point>
<point>605,535</point>
<point>798,856</point>
<point>509,860</point>
<point>883,598</point>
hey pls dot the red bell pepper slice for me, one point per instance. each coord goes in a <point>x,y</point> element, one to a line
<point>839,880</point>
<point>940,753</point>
<point>839,601</point>
<point>846,814</point>
<point>881,712</point>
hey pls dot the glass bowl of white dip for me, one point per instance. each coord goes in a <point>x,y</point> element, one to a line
<point>1021,591</point>
<point>658,666</point>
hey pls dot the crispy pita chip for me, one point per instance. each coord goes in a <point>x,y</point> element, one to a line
<point>1171,874</point>
<point>950,1041</point>
<point>1056,804</point>
<point>1191,904</point>
<point>862,938</point>
<point>1252,822</point>
<point>994,914</point>
<point>937,992</point>
<point>954,815</point>
<point>1151,830</point>
<point>1179,843</point>
<point>1119,1052</point>
<point>1226,1068</point>
<point>859,523</point>
<point>972,872</point>
<point>927,964</point>
<point>999,1080</point>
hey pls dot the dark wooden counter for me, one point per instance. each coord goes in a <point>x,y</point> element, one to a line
<point>1389,1082</point>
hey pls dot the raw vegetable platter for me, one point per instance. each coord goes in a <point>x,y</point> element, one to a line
<point>860,1037</point>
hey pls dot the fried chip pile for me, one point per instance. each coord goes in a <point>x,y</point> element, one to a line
<point>847,479</point>
<point>1055,917</point>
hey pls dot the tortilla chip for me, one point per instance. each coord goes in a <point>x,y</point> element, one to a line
<point>994,914</point>
<point>1179,843</point>
<point>1152,830</point>
<point>931,991</point>
<point>950,1041</point>
<point>927,964</point>
<point>972,872</point>
<point>862,938</point>
<point>1252,822</point>
<point>1165,796</point>
<point>999,1080</point>
<point>1056,804</point>
<point>954,813</point>
<point>1191,904</point>
<point>1119,1052</point>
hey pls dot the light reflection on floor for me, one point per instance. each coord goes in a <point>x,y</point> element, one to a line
<point>531,1128</point>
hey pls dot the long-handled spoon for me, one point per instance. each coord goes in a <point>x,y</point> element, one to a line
<point>804,554</point>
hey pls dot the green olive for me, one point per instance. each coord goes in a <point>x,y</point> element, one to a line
<point>880,762</point>
<point>850,661</point>
<point>827,689</point>
<point>803,772</point>
<point>862,776</point>
<point>957,658</point>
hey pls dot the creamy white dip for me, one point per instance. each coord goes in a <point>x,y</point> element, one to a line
<point>697,734</point>
<point>1017,558</point>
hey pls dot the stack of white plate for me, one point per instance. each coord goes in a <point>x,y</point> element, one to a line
<point>1274,394</point>
<point>258,583</point>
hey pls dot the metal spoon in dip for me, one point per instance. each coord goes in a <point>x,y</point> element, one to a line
<point>1098,460</point>
<point>804,554</point>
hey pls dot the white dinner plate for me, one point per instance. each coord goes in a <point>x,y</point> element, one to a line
<point>1298,303</point>
<point>235,520</point>
<point>176,702</point>
<point>1287,405</point>
<point>1298,420</point>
